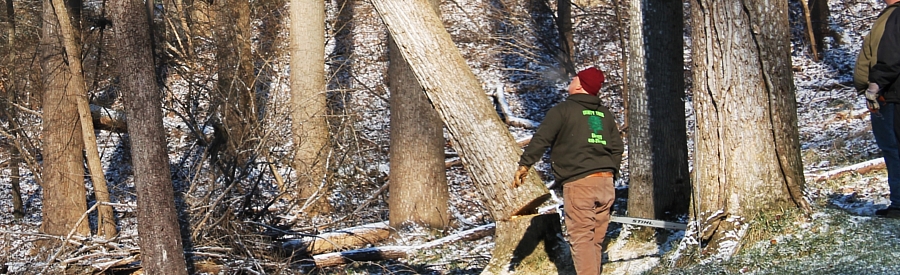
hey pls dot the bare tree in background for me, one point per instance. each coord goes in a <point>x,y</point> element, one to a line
<point>64,195</point>
<point>418,181</point>
<point>308,100</point>
<point>160,240</point>
<point>747,149</point>
<point>820,14</point>
<point>9,92</point>
<point>659,185</point>
<point>235,79</point>
<point>566,35</point>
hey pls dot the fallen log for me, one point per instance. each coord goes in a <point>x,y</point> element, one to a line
<point>859,168</point>
<point>108,119</point>
<point>353,237</point>
<point>508,117</point>
<point>396,252</point>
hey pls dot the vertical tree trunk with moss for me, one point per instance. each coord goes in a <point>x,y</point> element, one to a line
<point>747,154</point>
<point>659,185</point>
<point>418,190</point>
<point>158,228</point>
<point>308,100</point>
<point>64,194</point>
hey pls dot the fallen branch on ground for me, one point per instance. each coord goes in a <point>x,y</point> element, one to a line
<point>397,252</point>
<point>860,168</point>
<point>511,120</point>
<point>347,238</point>
<point>108,119</point>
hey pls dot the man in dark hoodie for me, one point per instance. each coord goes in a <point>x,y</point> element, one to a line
<point>585,153</point>
<point>877,68</point>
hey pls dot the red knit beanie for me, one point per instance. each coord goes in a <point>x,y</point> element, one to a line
<point>591,80</point>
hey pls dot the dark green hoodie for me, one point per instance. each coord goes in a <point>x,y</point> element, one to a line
<point>583,138</point>
<point>879,57</point>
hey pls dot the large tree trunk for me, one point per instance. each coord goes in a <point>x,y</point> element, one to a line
<point>235,79</point>
<point>308,100</point>
<point>657,136</point>
<point>485,146</point>
<point>106,225</point>
<point>158,228</point>
<point>63,161</point>
<point>747,156</point>
<point>419,193</point>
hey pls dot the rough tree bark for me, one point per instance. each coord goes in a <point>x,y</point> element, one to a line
<point>418,190</point>
<point>747,154</point>
<point>308,99</point>
<point>64,195</point>
<point>160,239</point>
<point>659,185</point>
<point>484,143</point>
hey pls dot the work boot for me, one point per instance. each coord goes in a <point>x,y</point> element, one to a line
<point>890,212</point>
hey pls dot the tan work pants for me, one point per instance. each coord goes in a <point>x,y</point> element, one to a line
<point>587,207</point>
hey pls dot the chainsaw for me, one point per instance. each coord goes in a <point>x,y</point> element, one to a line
<point>648,222</point>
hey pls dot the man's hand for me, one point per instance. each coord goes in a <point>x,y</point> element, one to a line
<point>520,176</point>
<point>872,97</point>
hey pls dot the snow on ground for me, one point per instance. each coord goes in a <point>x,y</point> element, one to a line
<point>834,131</point>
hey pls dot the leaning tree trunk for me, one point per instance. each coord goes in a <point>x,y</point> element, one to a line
<point>747,155</point>
<point>657,135</point>
<point>64,195</point>
<point>106,225</point>
<point>486,148</point>
<point>160,238</point>
<point>419,193</point>
<point>308,100</point>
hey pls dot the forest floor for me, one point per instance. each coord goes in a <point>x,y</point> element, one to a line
<point>841,235</point>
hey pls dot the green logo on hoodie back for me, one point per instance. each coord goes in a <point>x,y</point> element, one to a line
<point>596,125</point>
